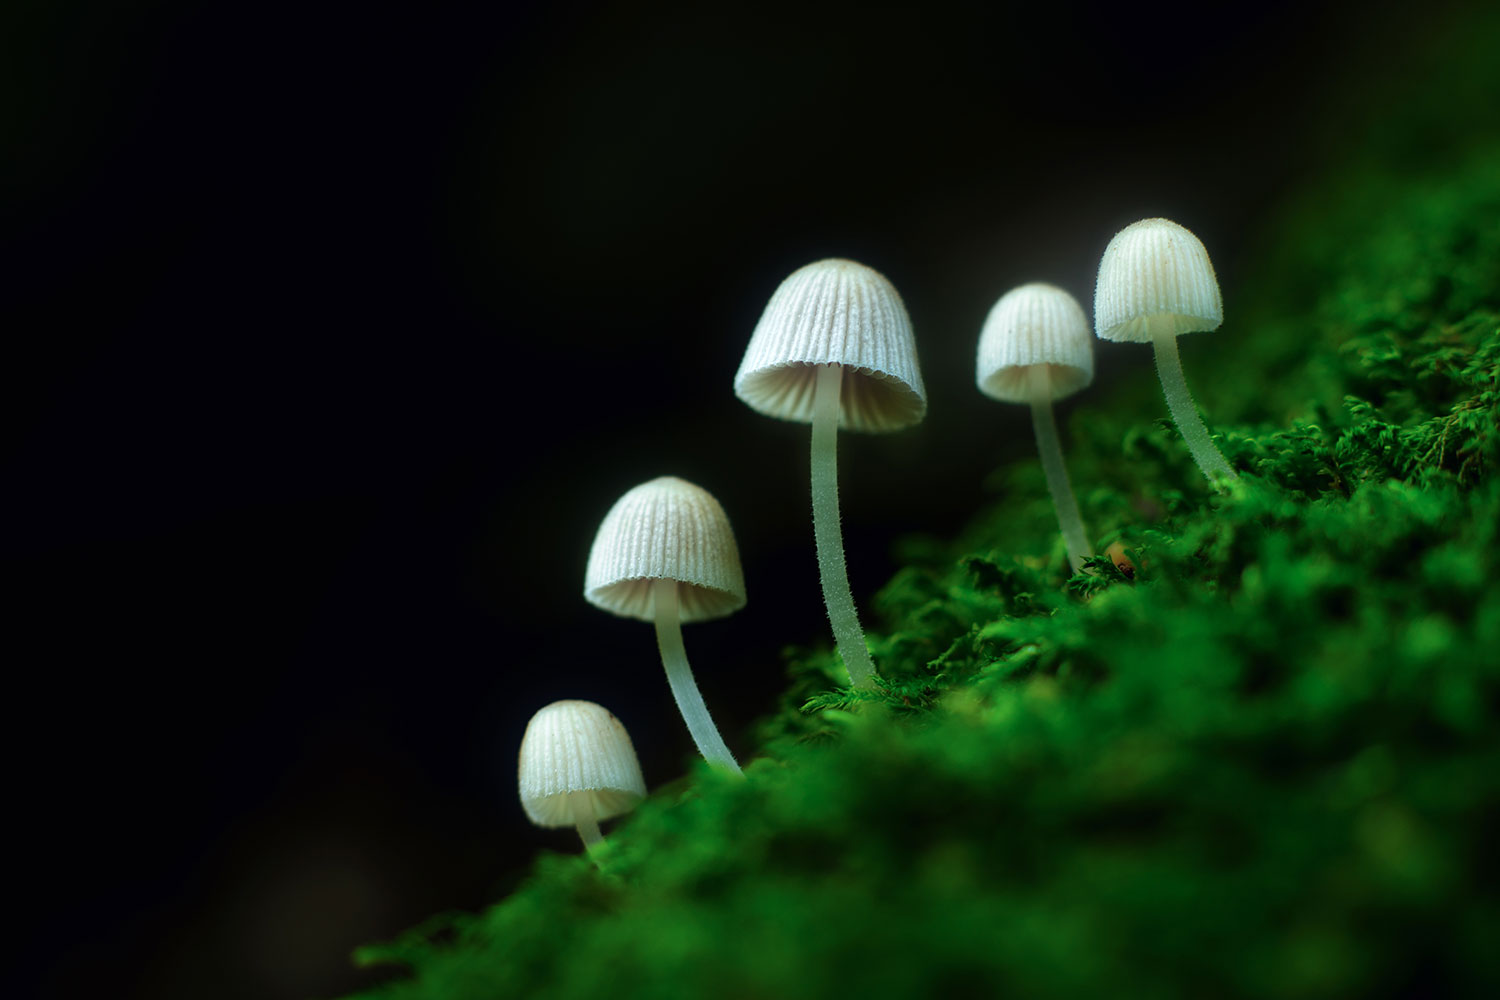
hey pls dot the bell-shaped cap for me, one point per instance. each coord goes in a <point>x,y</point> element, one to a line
<point>667,529</point>
<point>1036,329</point>
<point>1155,278</point>
<point>577,746</point>
<point>835,312</point>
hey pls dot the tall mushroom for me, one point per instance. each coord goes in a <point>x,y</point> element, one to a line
<point>1034,348</point>
<point>665,554</point>
<point>1156,283</point>
<point>577,767</point>
<point>835,348</point>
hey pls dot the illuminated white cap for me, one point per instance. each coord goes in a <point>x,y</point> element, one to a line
<point>835,312</point>
<point>1033,330</point>
<point>1155,278</point>
<point>667,529</point>
<point>577,746</point>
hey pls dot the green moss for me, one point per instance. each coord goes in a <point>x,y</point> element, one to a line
<point>1266,765</point>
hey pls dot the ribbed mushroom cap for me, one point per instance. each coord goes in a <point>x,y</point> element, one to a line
<point>1155,277</point>
<point>835,312</point>
<point>667,529</point>
<point>1035,324</point>
<point>577,746</point>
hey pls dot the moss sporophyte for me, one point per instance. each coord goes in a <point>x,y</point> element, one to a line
<point>1268,768</point>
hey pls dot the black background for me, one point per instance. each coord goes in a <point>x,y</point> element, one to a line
<point>332,332</point>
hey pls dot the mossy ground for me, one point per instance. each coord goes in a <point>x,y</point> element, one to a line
<point>1266,765</point>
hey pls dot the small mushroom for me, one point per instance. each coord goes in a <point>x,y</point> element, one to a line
<point>835,348</point>
<point>1155,284</point>
<point>1035,347</point>
<point>578,767</point>
<point>665,554</point>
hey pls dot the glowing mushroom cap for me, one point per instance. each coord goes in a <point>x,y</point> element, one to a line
<point>667,529</point>
<point>1034,325</point>
<point>1155,278</point>
<point>843,313</point>
<point>577,746</point>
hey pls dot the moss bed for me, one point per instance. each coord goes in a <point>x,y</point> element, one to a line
<point>1265,765</point>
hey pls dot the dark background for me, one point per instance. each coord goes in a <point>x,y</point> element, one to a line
<point>332,332</point>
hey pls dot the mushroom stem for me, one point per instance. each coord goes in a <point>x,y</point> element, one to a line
<point>834,575</point>
<point>1063,500</point>
<point>583,817</point>
<point>680,676</point>
<point>1180,402</point>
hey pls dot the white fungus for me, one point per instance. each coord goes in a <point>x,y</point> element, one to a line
<point>834,348</point>
<point>577,766</point>
<point>1034,348</point>
<point>1155,284</point>
<point>665,554</point>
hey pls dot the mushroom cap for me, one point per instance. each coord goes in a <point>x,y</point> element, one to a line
<point>835,312</point>
<point>1155,277</point>
<point>1034,324</point>
<point>667,529</point>
<point>577,746</point>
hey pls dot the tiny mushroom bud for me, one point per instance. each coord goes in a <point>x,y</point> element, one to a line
<point>1035,347</point>
<point>1116,554</point>
<point>665,554</point>
<point>1156,283</point>
<point>834,348</point>
<point>578,767</point>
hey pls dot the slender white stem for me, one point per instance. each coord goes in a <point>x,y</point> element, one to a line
<point>837,597</point>
<point>1180,402</point>
<point>1063,500</point>
<point>583,818</point>
<point>680,676</point>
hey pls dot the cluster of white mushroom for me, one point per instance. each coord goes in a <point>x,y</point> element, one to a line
<point>1155,283</point>
<point>664,554</point>
<point>834,348</point>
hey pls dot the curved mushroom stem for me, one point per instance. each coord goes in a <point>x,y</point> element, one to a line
<point>1184,413</point>
<point>680,676</point>
<point>834,575</point>
<point>1063,500</point>
<point>582,805</point>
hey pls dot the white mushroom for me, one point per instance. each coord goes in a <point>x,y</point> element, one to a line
<point>665,554</point>
<point>577,767</point>
<point>1035,347</point>
<point>835,348</point>
<point>1156,283</point>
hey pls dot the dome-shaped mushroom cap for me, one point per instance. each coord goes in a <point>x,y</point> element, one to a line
<point>577,746</point>
<point>835,312</point>
<point>1035,324</point>
<point>1155,277</point>
<point>667,529</point>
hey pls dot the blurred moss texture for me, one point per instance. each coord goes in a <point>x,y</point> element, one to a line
<point>1266,765</point>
